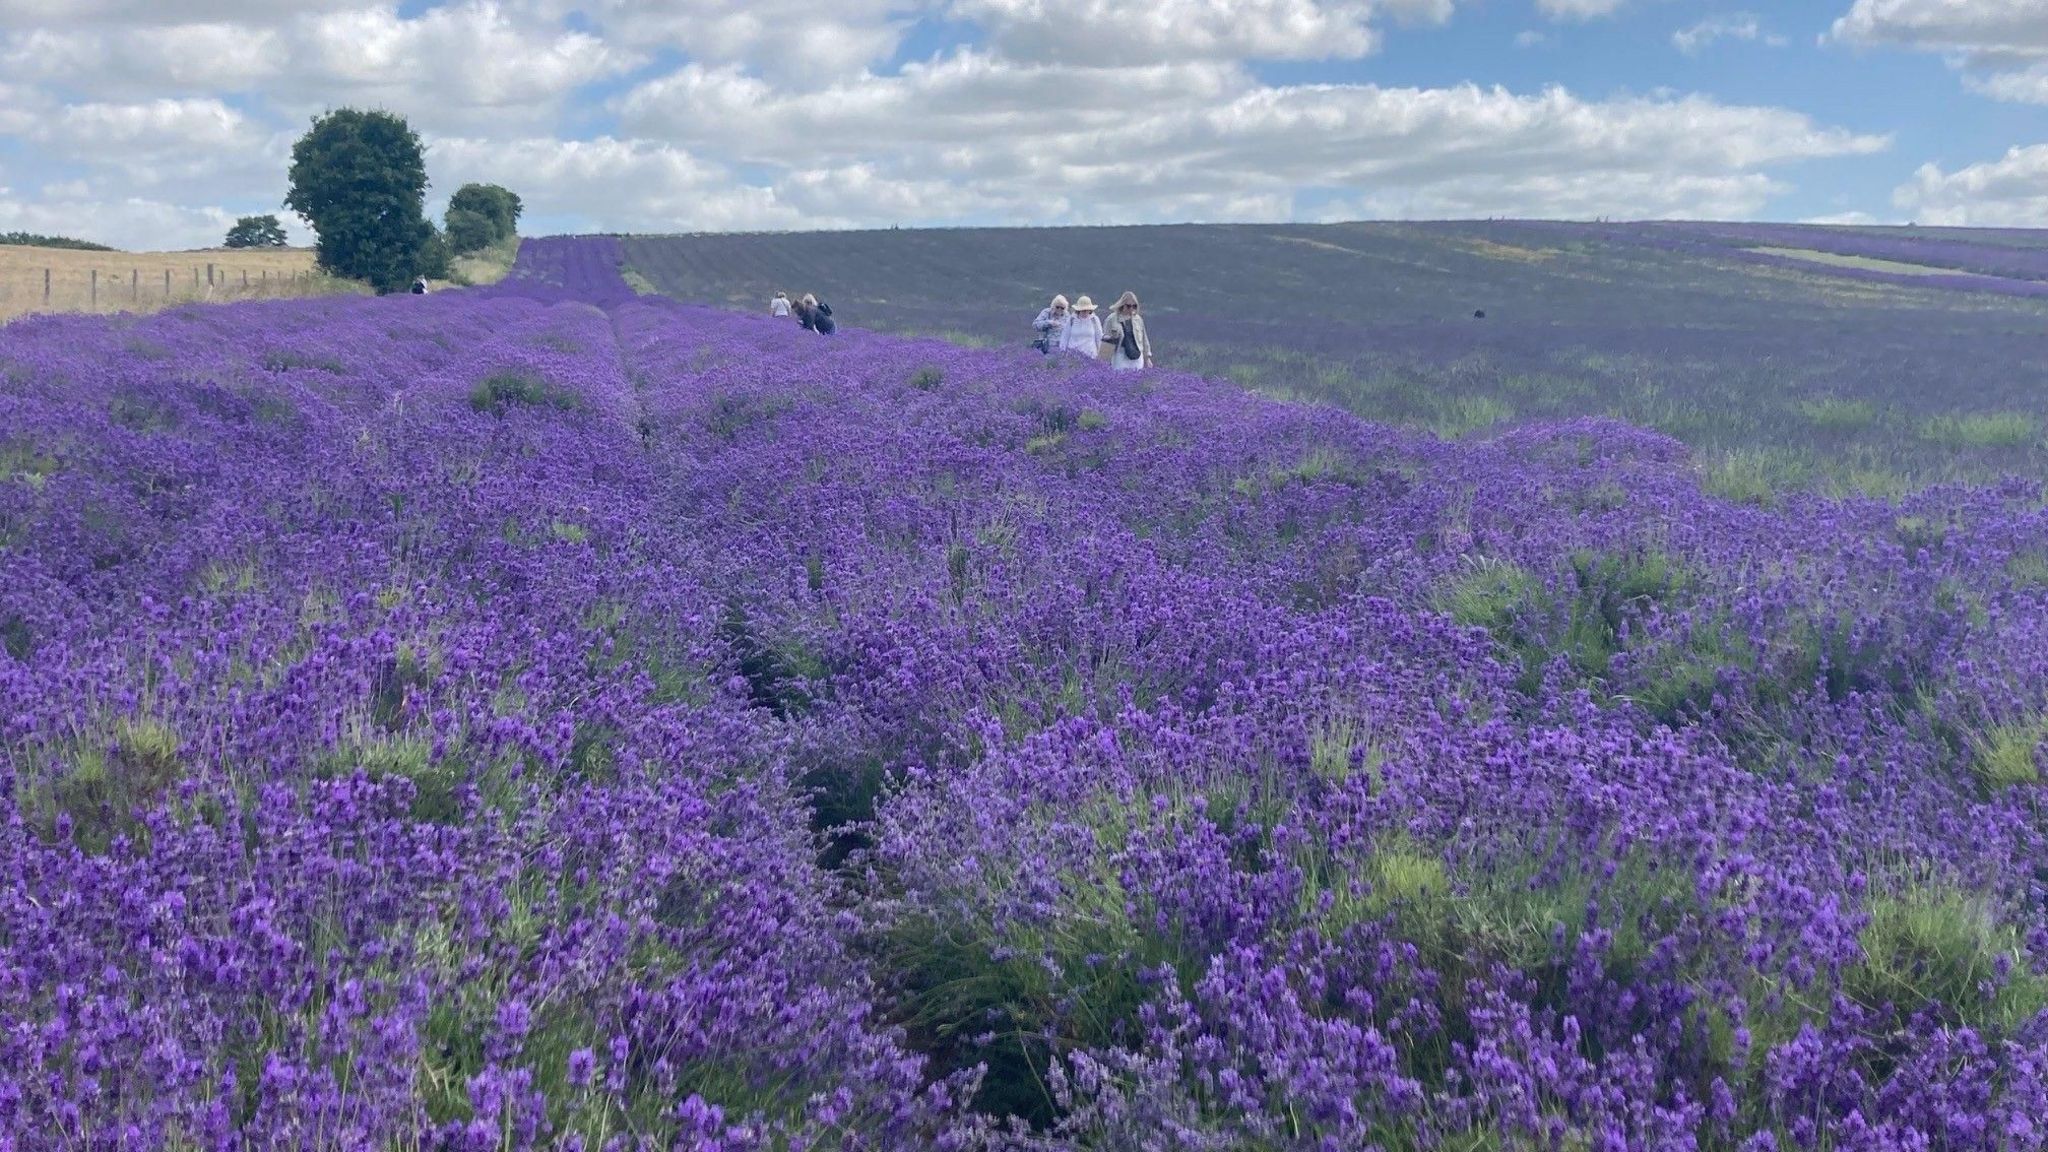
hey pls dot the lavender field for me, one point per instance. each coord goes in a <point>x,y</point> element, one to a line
<point>545,716</point>
<point>1781,373</point>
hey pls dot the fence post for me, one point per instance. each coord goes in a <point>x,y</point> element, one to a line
<point>46,285</point>
<point>245,277</point>
<point>167,285</point>
<point>134,284</point>
<point>209,275</point>
<point>95,288</point>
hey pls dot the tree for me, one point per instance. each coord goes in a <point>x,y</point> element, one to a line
<point>470,231</point>
<point>360,178</point>
<point>480,215</point>
<point>256,232</point>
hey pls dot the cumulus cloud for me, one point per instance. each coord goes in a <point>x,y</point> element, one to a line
<point>1697,38</point>
<point>450,66</point>
<point>1115,142</point>
<point>787,113</point>
<point>2011,191</point>
<point>2002,45</point>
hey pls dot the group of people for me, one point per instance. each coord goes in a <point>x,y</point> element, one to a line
<point>1119,338</point>
<point>814,314</point>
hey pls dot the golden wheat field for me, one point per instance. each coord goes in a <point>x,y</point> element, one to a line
<point>146,281</point>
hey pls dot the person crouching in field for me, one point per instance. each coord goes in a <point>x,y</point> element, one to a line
<point>1084,331</point>
<point>1051,326</point>
<point>815,315</point>
<point>780,305</point>
<point>1128,345</point>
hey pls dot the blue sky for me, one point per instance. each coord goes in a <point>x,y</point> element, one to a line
<point>769,114</point>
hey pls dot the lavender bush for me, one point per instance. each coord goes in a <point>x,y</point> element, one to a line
<point>548,717</point>
<point>1781,374</point>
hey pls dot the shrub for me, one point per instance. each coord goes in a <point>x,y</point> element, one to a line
<point>927,379</point>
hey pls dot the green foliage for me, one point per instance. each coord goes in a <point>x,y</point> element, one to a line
<point>34,240</point>
<point>2028,570</point>
<point>1492,595</point>
<point>437,784</point>
<point>927,379</point>
<point>360,179</point>
<point>256,232</point>
<point>2004,756</point>
<point>1934,947</point>
<point>1837,414</point>
<point>1756,475</point>
<point>481,215</point>
<point>17,639</point>
<point>468,231</point>
<point>1983,430</point>
<point>1091,421</point>
<point>1582,620</point>
<point>1462,415</point>
<point>502,390</point>
<point>112,779</point>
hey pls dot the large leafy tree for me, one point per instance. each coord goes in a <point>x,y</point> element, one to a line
<point>480,215</point>
<point>360,178</point>
<point>256,232</point>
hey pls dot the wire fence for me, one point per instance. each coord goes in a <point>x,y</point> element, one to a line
<point>107,286</point>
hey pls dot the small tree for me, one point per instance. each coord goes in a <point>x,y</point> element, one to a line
<point>256,232</point>
<point>480,215</point>
<point>360,178</point>
<point>470,231</point>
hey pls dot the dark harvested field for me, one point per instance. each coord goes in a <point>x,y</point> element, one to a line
<point>1781,374</point>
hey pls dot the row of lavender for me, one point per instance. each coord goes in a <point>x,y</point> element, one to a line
<point>2004,270</point>
<point>559,724</point>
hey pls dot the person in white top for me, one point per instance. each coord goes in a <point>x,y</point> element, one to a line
<point>1084,332</point>
<point>780,305</point>
<point>1130,347</point>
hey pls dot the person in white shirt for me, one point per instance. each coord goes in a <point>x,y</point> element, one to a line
<point>780,305</point>
<point>1084,332</point>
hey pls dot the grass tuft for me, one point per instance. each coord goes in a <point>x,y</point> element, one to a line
<point>501,391</point>
<point>1982,430</point>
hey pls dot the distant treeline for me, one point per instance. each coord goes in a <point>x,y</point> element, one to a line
<point>32,240</point>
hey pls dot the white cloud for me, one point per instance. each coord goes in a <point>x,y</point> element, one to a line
<point>1699,37</point>
<point>1072,144</point>
<point>629,185</point>
<point>131,222</point>
<point>1530,39</point>
<point>791,40</point>
<point>789,113</point>
<point>2002,44</point>
<point>1842,218</point>
<point>2007,192</point>
<point>1579,9</point>
<point>2023,85</point>
<point>452,66</point>
<point>1111,31</point>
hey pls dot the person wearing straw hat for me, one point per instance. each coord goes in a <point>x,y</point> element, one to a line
<point>1084,331</point>
<point>1130,348</point>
